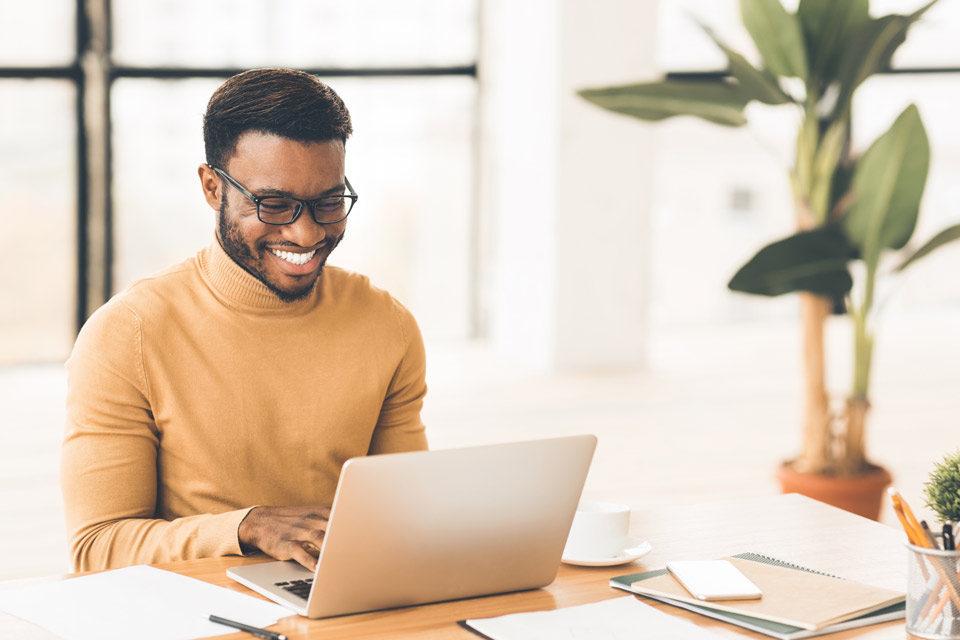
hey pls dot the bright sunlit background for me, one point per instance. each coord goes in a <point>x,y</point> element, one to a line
<point>568,266</point>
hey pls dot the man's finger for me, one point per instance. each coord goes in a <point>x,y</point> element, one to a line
<point>298,553</point>
<point>315,519</point>
<point>313,537</point>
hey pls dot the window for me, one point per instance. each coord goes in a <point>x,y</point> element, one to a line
<point>38,168</point>
<point>38,225</point>
<point>160,61</point>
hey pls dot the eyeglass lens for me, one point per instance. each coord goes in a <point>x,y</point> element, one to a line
<point>325,210</point>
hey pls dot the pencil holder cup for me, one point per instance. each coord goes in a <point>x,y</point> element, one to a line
<point>933,593</point>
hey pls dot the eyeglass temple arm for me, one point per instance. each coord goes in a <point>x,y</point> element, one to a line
<point>226,176</point>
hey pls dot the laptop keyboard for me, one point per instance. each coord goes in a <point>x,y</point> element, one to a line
<point>299,588</point>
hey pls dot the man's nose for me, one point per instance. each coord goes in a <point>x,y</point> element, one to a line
<point>305,231</point>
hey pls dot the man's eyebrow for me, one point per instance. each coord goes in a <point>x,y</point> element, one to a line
<point>336,190</point>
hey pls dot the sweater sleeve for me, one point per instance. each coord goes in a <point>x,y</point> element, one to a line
<point>109,459</point>
<point>399,427</point>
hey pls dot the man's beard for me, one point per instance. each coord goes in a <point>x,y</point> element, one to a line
<point>239,252</point>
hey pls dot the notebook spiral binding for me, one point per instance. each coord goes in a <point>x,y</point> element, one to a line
<point>757,557</point>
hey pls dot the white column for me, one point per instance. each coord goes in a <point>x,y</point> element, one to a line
<point>563,183</point>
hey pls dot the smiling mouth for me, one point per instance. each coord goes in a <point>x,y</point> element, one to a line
<point>294,258</point>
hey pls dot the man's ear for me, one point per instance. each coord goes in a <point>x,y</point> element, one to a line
<point>211,184</point>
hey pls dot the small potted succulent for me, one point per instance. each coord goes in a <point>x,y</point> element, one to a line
<point>942,491</point>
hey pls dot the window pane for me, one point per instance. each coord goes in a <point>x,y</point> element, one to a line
<point>719,195</point>
<point>37,33</point>
<point>411,163</point>
<point>683,46</point>
<point>38,225</point>
<point>297,33</point>
<point>932,41</point>
<point>159,215</point>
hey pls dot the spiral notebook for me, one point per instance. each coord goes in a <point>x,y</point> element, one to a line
<point>797,603</point>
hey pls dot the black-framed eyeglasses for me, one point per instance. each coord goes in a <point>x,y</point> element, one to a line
<point>285,210</point>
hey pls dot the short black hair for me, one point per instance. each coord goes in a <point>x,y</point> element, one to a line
<point>284,102</point>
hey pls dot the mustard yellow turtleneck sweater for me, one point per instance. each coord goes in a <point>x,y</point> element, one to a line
<point>198,394</point>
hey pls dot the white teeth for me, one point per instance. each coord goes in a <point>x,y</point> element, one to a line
<point>294,258</point>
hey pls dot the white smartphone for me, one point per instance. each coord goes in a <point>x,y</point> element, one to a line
<point>714,580</point>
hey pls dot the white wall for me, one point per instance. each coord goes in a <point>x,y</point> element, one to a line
<point>563,184</point>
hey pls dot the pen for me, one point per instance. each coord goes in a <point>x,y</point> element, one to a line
<point>257,631</point>
<point>929,534</point>
<point>949,544</point>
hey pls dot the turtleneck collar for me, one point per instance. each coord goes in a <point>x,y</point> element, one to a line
<point>237,288</point>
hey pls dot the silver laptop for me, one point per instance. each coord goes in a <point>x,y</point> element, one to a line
<point>427,526</point>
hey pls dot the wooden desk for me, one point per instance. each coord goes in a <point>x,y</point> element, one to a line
<point>790,527</point>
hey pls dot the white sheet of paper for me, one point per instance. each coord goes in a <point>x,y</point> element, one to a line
<point>616,619</point>
<point>136,602</point>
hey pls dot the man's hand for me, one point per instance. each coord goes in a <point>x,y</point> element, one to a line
<point>286,533</point>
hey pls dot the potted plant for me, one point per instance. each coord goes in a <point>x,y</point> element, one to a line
<point>849,207</point>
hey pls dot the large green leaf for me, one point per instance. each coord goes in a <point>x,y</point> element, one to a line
<point>777,35</point>
<point>814,261</point>
<point>869,50</point>
<point>827,26</point>
<point>754,83</point>
<point>824,167</point>
<point>717,101</point>
<point>887,186</point>
<point>944,237</point>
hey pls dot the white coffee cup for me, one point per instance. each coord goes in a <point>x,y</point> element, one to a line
<point>599,530</point>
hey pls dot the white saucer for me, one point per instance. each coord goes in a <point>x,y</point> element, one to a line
<point>635,548</point>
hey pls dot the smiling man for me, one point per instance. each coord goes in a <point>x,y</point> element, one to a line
<point>211,406</point>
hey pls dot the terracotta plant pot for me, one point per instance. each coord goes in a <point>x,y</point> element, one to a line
<point>860,494</point>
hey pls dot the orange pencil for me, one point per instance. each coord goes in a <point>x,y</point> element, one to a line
<point>952,591</point>
<point>915,536</point>
<point>912,519</point>
<point>944,599</point>
<point>912,538</point>
<point>952,585</point>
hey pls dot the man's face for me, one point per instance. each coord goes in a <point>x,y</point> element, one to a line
<point>268,164</point>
